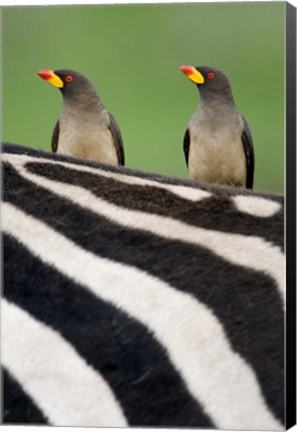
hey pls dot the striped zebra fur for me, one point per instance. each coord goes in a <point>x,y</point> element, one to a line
<point>133,299</point>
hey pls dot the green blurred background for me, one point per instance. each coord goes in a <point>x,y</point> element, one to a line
<point>132,54</point>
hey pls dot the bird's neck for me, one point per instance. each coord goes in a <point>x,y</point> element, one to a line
<point>90,105</point>
<point>216,111</point>
<point>215,101</point>
<point>213,96</point>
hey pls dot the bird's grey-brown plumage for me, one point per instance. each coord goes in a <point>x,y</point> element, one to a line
<point>218,145</point>
<point>85,128</point>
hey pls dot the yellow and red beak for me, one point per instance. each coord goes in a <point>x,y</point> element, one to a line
<point>51,77</point>
<point>192,74</point>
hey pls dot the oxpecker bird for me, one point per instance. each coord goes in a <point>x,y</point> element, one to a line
<point>85,128</point>
<point>218,144</point>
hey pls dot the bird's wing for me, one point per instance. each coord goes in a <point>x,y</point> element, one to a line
<point>117,139</point>
<point>187,145</point>
<point>55,137</point>
<point>248,146</point>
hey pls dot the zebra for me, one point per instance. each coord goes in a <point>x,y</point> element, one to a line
<point>137,299</point>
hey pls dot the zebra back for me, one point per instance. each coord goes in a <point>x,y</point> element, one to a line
<point>138,299</point>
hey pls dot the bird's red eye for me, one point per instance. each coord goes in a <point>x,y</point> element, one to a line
<point>210,75</point>
<point>69,78</point>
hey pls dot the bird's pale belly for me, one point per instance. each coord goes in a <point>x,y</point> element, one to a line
<point>97,146</point>
<point>217,160</point>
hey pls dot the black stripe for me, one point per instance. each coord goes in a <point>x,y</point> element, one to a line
<point>18,407</point>
<point>246,302</point>
<point>216,212</point>
<point>135,365</point>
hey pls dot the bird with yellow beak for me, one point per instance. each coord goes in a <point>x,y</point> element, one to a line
<point>85,128</point>
<point>218,144</point>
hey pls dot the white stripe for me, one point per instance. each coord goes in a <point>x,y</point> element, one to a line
<point>256,206</point>
<point>67,390</point>
<point>219,378</point>
<point>248,251</point>
<point>190,193</point>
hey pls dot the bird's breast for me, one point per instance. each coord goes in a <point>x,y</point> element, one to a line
<point>87,139</point>
<point>216,153</point>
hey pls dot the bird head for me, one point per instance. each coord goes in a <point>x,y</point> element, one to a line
<point>72,84</point>
<point>211,82</point>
